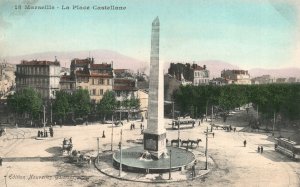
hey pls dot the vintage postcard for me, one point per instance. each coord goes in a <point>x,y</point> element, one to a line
<point>149,93</point>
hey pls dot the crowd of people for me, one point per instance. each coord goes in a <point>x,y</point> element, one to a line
<point>45,132</point>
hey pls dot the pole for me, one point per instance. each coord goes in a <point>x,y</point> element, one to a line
<point>170,164</point>
<point>274,123</point>
<point>206,112</point>
<point>178,131</point>
<point>257,111</point>
<point>120,171</point>
<point>206,153</point>
<point>112,132</point>
<point>212,113</point>
<point>173,109</point>
<point>5,180</point>
<point>98,150</point>
<point>44,118</point>
<point>51,112</point>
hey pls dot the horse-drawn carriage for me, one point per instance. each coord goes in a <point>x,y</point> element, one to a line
<point>67,146</point>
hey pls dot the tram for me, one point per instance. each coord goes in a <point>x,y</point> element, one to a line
<point>183,121</point>
<point>288,147</point>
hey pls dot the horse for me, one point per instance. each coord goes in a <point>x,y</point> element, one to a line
<point>195,142</point>
<point>185,142</point>
<point>175,141</point>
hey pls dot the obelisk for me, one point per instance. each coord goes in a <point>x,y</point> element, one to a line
<point>155,134</point>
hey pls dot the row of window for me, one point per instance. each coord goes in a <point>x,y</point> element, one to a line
<point>29,70</point>
<point>94,81</point>
<point>96,92</point>
<point>32,80</point>
<point>201,81</point>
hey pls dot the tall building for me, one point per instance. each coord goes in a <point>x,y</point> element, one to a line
<point>187,73</point>
<point>43,76</point>
<point>85,74</point>
<point>236,76</point>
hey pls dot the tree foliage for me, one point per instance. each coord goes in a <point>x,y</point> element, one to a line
<point>26,101</point>
<point>283,99</point>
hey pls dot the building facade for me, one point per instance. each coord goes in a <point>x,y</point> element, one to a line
<point>236,76</point>
<point>85,74</point>
<point>43,76</point>
<point>187,73</point>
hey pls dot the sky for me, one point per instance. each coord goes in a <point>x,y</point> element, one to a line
<point>246,33</point>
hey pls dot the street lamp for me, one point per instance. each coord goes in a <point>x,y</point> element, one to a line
<point>98,149</point>
<point>120,171</point>
<point>44,121</point>
<point>112,132</point>
<point>206,154</point>
<point>170,164</point>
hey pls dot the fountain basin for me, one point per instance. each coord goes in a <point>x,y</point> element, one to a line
<point>132,160</point>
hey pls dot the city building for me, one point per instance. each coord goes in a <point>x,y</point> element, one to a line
<point>43,76</point>
<point>85,74</point>
<point>189,74</point>
<point>126,89</point>
<point>236,76</point>
<point>264,79</point>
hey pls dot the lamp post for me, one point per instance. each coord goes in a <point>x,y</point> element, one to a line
<point>178,131</point>
<point>170,164</point>
<point>112,132</point>
<point>44,121</point>
<point>120,171</point>
<point>98,149</point>
<point>206,154</point>
<point>51,111</point>
<point>5,180</point>
<point>274,123</point>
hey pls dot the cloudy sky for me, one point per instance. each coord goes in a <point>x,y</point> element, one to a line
<point>247,33</point>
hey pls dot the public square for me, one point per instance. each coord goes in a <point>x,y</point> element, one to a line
<point>31,162</point>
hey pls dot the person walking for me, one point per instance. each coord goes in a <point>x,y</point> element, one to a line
<point>258,149</point>
<point>245,143</point>
<point>194,170</point>
<point>103,134</point>
<point>261,149</point>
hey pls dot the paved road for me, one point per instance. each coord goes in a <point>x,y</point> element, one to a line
<point>235,165</point>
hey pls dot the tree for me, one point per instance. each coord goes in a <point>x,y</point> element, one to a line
<point>61,105</point>
<point>26,101</point>
<point>80,103</point>
<point>108,104</point>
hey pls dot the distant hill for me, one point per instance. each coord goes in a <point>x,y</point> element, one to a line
<point>125,62</point>
<point>119,60</point>
<point>284,72</point>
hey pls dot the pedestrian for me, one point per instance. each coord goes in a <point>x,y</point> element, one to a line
<point>141,126</point>
<point>213,135</point>
<point>261,149</point>
<point>258,149</point>
<point>71,140</point>
<point>1,161</point>
<point>64,141</point>
<point>194,170</point>
<point>131,126</point>
<point>103,134</point>
<point>245,143</point>
<point>39,134</point>
<point>199,123</point>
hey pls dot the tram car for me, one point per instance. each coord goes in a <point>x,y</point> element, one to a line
<point>288,147</point>
<point>183,121</point>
